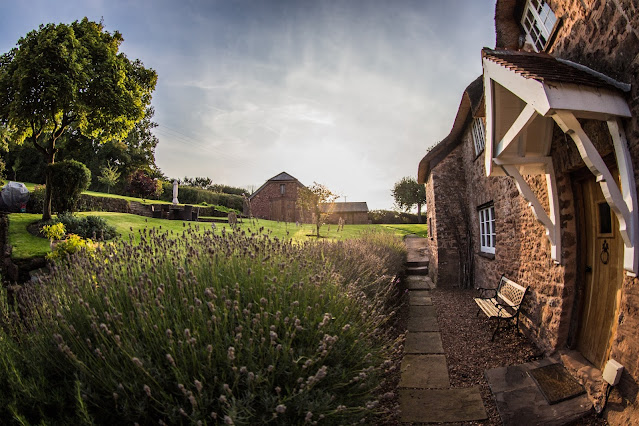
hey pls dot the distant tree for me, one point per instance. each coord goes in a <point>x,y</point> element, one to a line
<point>69,78</point>
<point>408,193</point>
<point>310,200</point>
<point>109,176</point>
<point>141,185</point>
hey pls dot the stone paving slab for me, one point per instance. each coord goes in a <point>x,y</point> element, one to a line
<point>424,371</point>
<point>419,298</point>
<point>518,397</point>
<point>423,343</point>
<point>419,282</point>
<point>441,405</point>
<point>422,311</point>
<point>422,324</point>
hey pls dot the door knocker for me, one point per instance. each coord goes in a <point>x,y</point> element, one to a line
<point>604,256</point>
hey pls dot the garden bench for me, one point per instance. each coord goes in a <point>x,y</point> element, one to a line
<point>502,303</point>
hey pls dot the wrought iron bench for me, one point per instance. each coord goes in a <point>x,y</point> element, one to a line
<point>504,304</point>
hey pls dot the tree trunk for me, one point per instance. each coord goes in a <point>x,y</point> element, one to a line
<point>46,213</point>
<point>419,213</point>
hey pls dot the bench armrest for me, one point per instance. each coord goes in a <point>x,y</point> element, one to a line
<point>483,291</point>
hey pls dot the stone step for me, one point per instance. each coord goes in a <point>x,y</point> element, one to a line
<point>424,371</point>
<point>418,282</point>
<point>417,270</point>
<point>441,405</point>
<point>418,342</point>
<point>419,298</point>
<point>417,263</point>
<point>422,324</point>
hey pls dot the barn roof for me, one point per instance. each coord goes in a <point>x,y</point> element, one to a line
<point>282,177</point>
<point>346,207</point>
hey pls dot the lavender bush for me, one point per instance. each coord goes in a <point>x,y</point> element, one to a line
<point>204,328</point>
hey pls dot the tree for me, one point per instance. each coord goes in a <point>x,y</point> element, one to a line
<point>109,176</point>
<point>408,193</point>
<point>143,186</point>
<point>69,78</point>
<point>311,199</point>
<point>136,151</point>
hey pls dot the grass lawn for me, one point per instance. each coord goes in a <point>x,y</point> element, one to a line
<point>419,229</point>
<point>26,245</point>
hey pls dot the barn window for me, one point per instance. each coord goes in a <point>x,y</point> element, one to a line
<point>538,21</point>
<point>487,229</point>
<point>478,135</point>
<point>282,189</point>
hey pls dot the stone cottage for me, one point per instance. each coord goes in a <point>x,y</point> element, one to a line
<point>537,179</point>
<point>275,200</point>
<point>353,213</point>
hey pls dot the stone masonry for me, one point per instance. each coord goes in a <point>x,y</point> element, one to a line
<point>603,35</point>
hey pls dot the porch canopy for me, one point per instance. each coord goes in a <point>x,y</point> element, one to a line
<point>524,93</point>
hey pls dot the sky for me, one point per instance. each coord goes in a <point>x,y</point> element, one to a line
<point>349,93</point>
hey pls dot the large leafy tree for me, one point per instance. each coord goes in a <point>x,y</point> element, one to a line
<point>310,199</point>
<point>68,78</point>
<point>135,152</point>
<point>408,193</point>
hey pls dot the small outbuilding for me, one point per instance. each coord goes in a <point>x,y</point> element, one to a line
<point>352,213</point>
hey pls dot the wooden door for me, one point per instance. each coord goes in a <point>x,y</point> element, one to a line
<point>603,274</point>
<point>276,210</point>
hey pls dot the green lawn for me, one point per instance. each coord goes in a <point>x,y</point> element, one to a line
<point>26,245</point>
<point>420,229</point>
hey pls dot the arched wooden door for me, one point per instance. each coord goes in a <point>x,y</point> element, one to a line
<point>603,274</point>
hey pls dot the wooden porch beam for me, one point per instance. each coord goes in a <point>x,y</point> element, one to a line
<point>624,208</point>
<point>521,123</point>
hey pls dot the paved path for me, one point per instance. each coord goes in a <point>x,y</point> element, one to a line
<point>425,395</point>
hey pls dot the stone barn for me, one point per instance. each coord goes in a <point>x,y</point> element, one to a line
<point>353,213</point>
<point>537,181</point>
<point>276,199</point>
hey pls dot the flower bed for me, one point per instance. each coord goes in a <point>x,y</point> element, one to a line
<point>214,328</point>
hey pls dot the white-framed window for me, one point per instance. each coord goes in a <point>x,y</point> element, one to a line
<point>487,229</point>
<point>479,138</point>
<point>538,21</point>
<point>282,188</point>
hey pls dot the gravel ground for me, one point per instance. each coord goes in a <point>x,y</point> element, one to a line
<point>469,351</point>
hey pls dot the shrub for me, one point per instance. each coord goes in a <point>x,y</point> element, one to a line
<point>36,199</point>
<point>190,195</point>
<point>54,231</point>
<point>87,226</point>
<point>71,245</point>
<point>93,227</point>
<point>391,217</point>
<point>68,179</point>
<point>148,333</point>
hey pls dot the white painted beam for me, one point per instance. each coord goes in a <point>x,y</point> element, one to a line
<point>624,210</point>
<point>628,192</point>
<point>520,125</point>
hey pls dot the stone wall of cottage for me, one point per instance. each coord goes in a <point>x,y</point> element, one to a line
<point>604,35</point>
<point>431,220</point>
<point>261,202</point>
<point>449,218</point>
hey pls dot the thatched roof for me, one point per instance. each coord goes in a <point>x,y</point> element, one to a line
<point>471,105</point>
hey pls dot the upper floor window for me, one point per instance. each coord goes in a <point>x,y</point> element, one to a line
<point>478,135</point>
<point>282,188</point>
<point>487,229</point>
<point>538,21</point>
